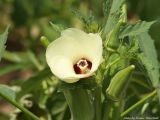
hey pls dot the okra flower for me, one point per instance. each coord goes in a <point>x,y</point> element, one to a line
<point>74,55</point>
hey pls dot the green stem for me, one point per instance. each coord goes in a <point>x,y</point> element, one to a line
<point>97,103</point>
<point>112,110</point>
<point>27,112</point>
<point>80,104</point>
<point>138,103</point>
<point>107,109</point>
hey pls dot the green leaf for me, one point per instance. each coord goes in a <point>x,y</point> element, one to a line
<point>107,7</point>
<point>149,58</point>
<point>34,60</point>
<point>136,29</point>
<point>3,39</point>
<point>113,17</point>
<point>13,67</point>
<point>16,57</point>
<point>13,56</point>
<point>20,58</point>
<point>6,91</point>
<point>88,20</point>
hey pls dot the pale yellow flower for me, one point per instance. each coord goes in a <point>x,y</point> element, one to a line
<point>74,55</point>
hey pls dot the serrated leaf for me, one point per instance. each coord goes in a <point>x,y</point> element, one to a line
<point>86,19</point>
<point>3,39</point>
<point>6,91</point>
<point>89,22</point>
<point>107,7</point>
<point>136,29</point>
<point>149,60</point>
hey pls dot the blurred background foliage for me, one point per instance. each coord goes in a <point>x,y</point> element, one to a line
<point>23,63</point>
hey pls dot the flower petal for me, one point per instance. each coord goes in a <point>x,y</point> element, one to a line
<point>90,45</point>
<point>61,67</point>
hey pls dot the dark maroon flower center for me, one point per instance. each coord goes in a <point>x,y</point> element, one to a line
<point>82,66</point>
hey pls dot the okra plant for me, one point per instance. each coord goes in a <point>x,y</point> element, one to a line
<point>89,73</point>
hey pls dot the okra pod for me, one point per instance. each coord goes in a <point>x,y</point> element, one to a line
<point>119,82</point>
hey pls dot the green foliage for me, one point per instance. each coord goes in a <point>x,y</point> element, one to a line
<point>149,58</point>
<point>34,83</point>
<point>135,29</point>
<point>113,15</point>
<point>20,61</point>
<point>3,39</point>
<point>9,95</point>
<point>111,93</point>
<point>30,9</point>
<point>89,21</point>
<point>107,7</point>
<point>17,57</point>
<point>11,68</point>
